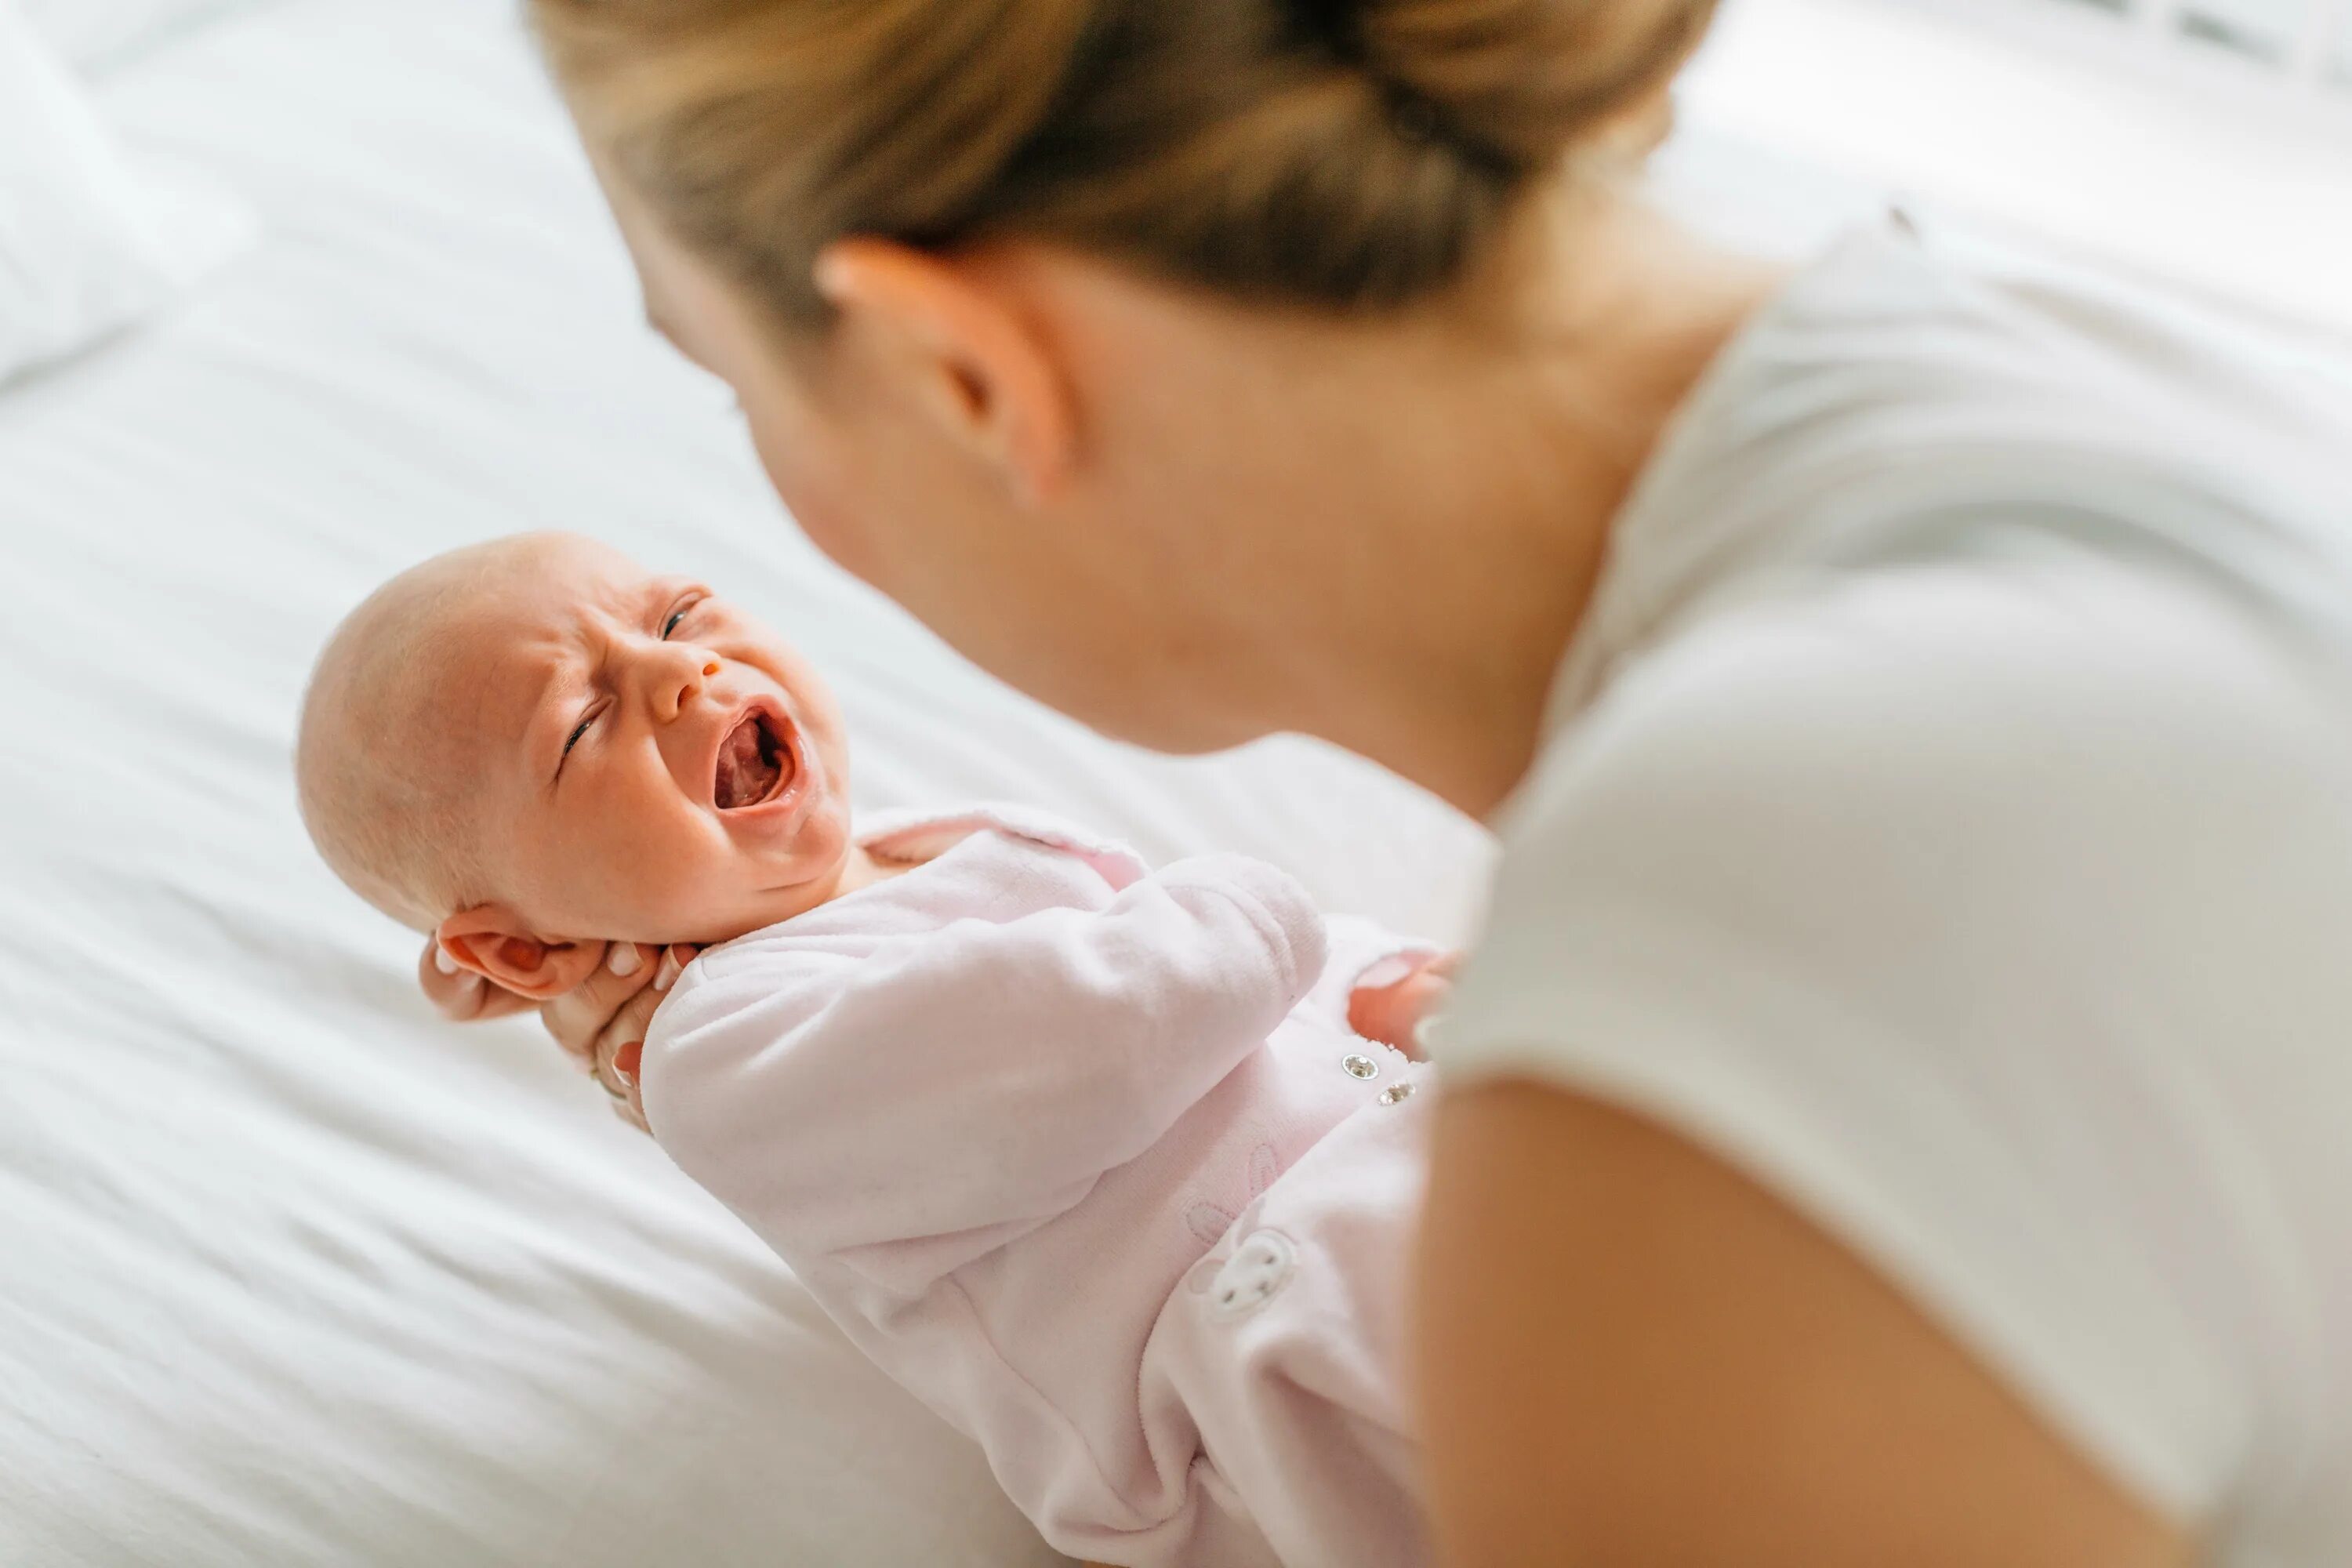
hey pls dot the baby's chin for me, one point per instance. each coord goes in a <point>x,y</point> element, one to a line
<point>771,893</point>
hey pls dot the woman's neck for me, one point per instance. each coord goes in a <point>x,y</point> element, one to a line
<point>1481,512</point>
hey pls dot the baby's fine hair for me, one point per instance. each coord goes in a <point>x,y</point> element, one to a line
<point>390,807</point>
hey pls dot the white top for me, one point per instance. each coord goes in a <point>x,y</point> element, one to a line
<point>1947,818</point>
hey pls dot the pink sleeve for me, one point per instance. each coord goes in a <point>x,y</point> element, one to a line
<point>959,1085</point>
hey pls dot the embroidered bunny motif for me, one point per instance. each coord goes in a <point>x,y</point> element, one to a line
<point>1209,1222</point>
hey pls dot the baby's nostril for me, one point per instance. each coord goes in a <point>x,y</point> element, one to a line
<point>710,669</point>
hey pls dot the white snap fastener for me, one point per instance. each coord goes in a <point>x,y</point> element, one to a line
<point>1359,1065</point>
<point>1258,1268</point>
<point>1395,1092</point>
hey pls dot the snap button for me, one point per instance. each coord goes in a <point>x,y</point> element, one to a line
<point>1359,1066</point>
<point>1258,1268</point>
<point>1395,1093</point>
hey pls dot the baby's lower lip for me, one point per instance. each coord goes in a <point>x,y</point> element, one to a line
<point>789,801</point>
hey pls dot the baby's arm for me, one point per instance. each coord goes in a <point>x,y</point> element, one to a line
<point>846,1093</point>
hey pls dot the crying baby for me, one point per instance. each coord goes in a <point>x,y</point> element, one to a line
<point>1085,1155</point>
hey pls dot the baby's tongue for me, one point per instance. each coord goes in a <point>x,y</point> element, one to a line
<point>745,774</point>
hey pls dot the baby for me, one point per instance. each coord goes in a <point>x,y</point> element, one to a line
<point>1084,1154</point>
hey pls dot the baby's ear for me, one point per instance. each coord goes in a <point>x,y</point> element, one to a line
<point>491,941</point>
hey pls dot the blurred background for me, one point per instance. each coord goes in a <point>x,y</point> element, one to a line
<point>2202,144</point>
<point>295,292</point>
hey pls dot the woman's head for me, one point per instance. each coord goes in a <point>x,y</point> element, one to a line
<point>1312,152</point>
<point>881,220</point>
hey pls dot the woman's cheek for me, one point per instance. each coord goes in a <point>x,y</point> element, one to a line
<point>792,453</point>
<point>833,528</point>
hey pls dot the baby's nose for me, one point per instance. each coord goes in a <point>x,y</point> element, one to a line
<point>688,685</point>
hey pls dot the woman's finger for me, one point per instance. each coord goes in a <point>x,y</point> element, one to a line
<point>616,1069</point>
<point>620,1049</point>
<point>579,1016</point>
<point>615,1057</point>
<point>630,1112</point>
<point>459,994</point>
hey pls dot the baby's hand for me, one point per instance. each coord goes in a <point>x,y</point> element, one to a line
<point>1391,1012</point>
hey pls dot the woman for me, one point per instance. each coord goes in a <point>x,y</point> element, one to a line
<point>1896,1114</point>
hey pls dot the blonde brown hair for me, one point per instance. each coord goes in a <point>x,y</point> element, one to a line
<point>1343,154</point>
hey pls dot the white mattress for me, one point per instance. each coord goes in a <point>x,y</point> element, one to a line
<point>288,1273</point>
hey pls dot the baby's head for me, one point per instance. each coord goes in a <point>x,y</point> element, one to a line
<point>532,745</point>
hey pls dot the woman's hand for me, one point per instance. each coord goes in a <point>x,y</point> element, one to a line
<point>1391,1012</point>
<point>461,996</point>
<point>600,1024</point>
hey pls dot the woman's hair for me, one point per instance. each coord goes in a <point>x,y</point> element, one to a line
<point>1317,153</point>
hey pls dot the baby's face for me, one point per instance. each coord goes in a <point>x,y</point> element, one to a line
<point>656,765</point>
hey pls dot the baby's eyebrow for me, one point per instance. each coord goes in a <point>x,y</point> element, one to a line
<point>543,729</point>
<point>539,753</point>
<point>661,593</point>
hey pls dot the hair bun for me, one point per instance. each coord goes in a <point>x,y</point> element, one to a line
<point>1525,80</point>
<point>1346,154</point>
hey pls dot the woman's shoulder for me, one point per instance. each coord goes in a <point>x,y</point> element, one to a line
<point>1904,402</point>
<point>1901,791</point>
<point>1987,917</point>
<point>1985,687</point>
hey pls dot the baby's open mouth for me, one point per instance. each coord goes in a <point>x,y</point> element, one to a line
<point>754,765</point>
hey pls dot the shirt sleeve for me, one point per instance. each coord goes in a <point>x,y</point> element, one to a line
<point>908,1103</point>
<point>1940,906</point>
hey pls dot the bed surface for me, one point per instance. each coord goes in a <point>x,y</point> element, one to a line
<point>290,1273</point>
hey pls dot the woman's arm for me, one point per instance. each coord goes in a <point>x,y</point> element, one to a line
<point>1630,1355</point>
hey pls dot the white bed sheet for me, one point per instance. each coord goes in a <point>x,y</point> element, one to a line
<point>290,1274</point>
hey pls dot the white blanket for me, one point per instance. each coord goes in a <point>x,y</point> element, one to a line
<point>290,1274</point>
<point>87,245</point>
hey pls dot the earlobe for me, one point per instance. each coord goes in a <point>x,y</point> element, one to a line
<point>490,941</point>
<point>960,325</point>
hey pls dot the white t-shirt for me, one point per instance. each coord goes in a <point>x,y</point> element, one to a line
<point>1946,816</point>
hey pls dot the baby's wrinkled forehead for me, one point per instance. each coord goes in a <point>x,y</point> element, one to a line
<point>409,750</point>
<point>443,665</point>
<point>494,639</point>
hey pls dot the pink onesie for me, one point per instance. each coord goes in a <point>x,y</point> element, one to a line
<point>1087,1158</point>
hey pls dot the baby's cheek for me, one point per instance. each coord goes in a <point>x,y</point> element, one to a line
<point>677,891</point>
<point>626,872</point>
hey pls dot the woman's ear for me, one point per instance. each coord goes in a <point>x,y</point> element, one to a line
<point>976,361</point>
<point>491,941</point>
